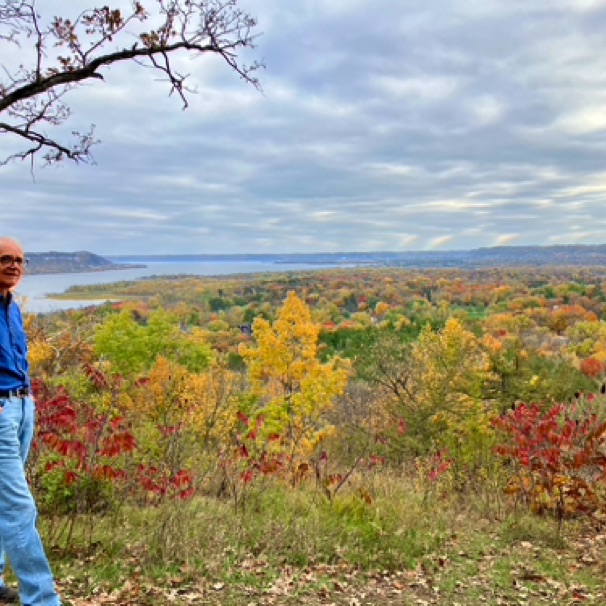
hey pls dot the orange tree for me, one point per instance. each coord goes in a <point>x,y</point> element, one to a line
<point>185,422</point>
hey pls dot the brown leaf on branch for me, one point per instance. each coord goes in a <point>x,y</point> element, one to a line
<point>60,53</point>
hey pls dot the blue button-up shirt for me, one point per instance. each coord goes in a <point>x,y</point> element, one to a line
<point>14,367</point>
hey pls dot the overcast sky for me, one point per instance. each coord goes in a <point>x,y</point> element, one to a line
<point>382,125</point>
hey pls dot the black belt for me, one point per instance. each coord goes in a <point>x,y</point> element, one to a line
<point>22,392</point>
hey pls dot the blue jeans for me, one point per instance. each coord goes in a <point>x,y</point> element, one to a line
<point>19,536</point>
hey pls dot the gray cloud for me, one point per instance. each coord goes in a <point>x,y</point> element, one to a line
<point>381,125</point>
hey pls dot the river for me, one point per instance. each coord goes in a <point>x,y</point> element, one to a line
<point>35,290</point>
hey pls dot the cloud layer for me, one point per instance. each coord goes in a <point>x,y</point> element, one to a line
<point>382,125</point>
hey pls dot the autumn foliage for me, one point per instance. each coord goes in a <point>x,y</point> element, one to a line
<point>81,449</point>
<point>217,388</point>
<point>293,390</point>
<point>559,456</point>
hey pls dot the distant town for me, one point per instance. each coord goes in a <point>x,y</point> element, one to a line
<point>500,256</point>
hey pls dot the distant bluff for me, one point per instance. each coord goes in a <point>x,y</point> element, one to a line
<point>54,262</point>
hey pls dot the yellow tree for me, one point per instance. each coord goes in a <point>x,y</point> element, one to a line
<point>451,373</point>
<point>294,390</point>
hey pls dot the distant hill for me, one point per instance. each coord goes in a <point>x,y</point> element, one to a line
<point>54,262</point>
<point>498,256</point>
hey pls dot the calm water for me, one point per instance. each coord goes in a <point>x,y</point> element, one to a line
<point>37,288</point>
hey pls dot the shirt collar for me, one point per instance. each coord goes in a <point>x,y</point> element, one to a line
<point>6,300</point>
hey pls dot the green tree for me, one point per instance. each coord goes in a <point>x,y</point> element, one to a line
<point>133,348</point>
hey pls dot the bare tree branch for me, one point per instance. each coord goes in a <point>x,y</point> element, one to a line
<point>55,152</point>
<point>68,52</point>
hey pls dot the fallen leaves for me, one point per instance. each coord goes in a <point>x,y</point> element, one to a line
<point>528,575</point>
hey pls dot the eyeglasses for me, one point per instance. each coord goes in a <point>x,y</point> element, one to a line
<point>8,260</point>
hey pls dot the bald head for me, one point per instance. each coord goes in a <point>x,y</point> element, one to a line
<point>6,241</point>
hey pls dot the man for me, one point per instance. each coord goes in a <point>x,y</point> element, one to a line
<point>19,536</point>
